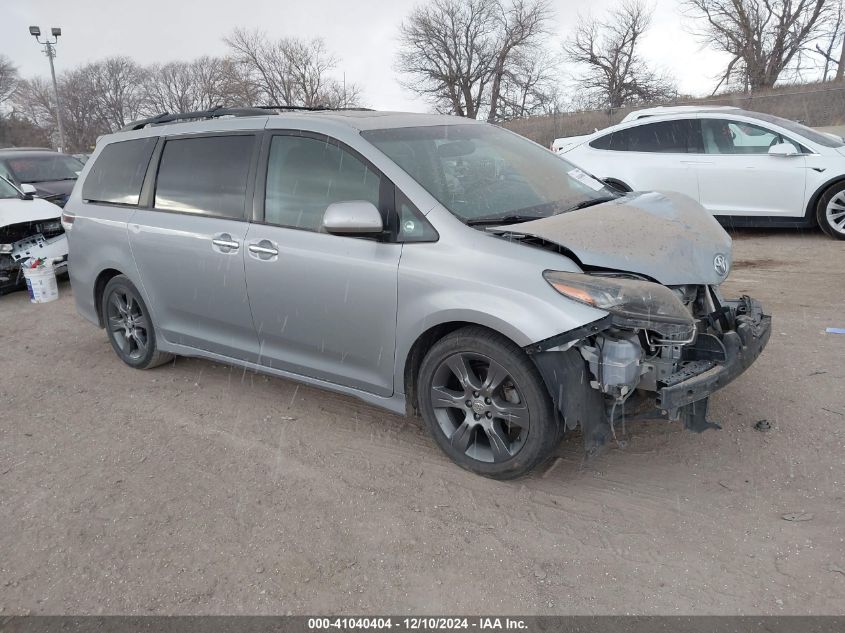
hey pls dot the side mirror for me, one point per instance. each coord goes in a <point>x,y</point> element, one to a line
<point>783,149</point>
<point>353,218</point>
<point>28,188</point>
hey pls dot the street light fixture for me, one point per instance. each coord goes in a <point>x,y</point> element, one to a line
<point>50,52</point>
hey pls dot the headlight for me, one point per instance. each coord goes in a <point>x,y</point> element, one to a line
<point>634,303</point>
<point>5,249</point>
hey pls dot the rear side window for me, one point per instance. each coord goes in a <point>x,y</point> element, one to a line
<point>118,173</point>
<point>674,137</point>
<point>306,175</point>
<point>205,175</point>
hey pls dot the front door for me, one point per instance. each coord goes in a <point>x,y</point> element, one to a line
<point>324,306</point>
<point>737,176</point>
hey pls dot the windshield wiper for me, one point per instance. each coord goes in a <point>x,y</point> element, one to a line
<point>501,219</point>
<point>589,203</point>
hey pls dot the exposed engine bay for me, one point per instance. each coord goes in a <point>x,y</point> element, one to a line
<point>620,369</point>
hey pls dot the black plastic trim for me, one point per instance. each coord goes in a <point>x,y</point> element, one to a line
<point>577,334</point>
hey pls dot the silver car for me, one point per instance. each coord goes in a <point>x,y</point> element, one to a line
<point>427,264</point>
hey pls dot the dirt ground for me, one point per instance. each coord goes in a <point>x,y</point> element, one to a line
<point>199,488</point>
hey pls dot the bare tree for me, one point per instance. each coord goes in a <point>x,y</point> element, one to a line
<point>763,37</point>
<point>8,78</point>
<point>199,84</point>
<point>615,74</point>
<point>521,25</point>
<point>34,102</point>
<point>530,86</point>
<point>290,71</point>
<point>447,53</point>
<point>117,83</point>
<point>835,31</point>
<point>82,118</point>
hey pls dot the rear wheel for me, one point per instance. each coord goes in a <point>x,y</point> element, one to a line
<point>485,404</point>
<point>129,326</point>
<point>830,211</point>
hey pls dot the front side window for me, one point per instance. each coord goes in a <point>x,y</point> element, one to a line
<point>205,175</point>
<point>673,137</point>
<point>44,168</point>
<point>482,173</point>
<point>305,175</point>
<point>723,136</point>
<point>798,129</point>
<point>7,190</point>
<point>118,173</point>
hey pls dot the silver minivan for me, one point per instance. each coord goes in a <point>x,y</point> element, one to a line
<point>427,264</point>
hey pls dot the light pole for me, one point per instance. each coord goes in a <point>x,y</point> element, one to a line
<point>50,52</point>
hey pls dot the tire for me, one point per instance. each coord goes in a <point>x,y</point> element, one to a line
<point>830,211</point>
<point>497,419</point>
<point>129,325</point>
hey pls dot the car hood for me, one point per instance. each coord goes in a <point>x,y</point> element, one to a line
<point>666,236</point>
<point>15,210</point>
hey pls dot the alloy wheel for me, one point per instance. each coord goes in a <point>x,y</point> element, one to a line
<point>835,212</point>
<point>128,324</point>
<point>479,407</point>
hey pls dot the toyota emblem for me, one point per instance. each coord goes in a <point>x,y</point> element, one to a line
<point>720,263</point>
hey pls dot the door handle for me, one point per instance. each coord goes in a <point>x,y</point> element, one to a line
<point>263,250</point>
<point>222,243</point>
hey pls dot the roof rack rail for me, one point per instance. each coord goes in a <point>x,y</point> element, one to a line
<point>212,113</point>
<point>220,111</point>
<point>312,108</point>
<point>26,149</point>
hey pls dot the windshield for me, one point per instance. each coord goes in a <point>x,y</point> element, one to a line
<point>43,168</point>
<point>482,172</point>
<point>797,128</point>
<point>7,190</point>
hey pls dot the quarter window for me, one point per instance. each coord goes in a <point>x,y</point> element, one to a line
<point>205,175</point>
<point>305,175</point>
<point>675,137</point>
<point>118,173</point>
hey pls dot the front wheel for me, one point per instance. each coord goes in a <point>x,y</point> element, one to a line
<point>129,326</point>
<point>830,211</point>
<point>485,404</point>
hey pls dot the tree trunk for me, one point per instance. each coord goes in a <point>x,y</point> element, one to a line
<point>497,86</point>
<point>840,71</point>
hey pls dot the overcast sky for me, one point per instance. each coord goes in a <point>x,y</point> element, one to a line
<point>361,33</point>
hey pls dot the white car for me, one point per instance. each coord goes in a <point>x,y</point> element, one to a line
<point>29,227</point>
<point>746,168</point>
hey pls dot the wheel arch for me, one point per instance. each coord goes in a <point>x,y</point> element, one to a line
<point>103,278</point>
<point>810,211</point>
<point>420,347</point>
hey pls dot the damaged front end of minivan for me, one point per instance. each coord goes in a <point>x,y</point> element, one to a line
<point>669,339</point>
<point>660,353</point>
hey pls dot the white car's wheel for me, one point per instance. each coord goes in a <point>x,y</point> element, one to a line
<point>830,211</point>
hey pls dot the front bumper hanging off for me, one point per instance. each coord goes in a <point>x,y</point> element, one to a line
<point>728,341</point>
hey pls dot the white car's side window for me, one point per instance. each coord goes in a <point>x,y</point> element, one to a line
<point>723,136</point>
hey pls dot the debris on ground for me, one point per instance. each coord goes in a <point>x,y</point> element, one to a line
<point>798,516</point>
<point>763,426</point>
